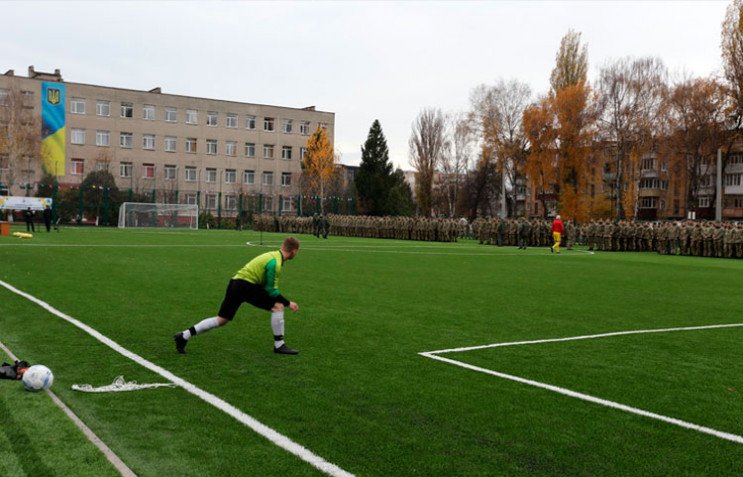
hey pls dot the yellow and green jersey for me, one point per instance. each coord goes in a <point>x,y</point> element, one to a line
<point>263,270</point>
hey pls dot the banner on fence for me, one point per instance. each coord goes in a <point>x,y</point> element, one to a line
<point>12,202</point>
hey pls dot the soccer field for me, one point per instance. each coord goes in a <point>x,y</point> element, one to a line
<point>415,358</point>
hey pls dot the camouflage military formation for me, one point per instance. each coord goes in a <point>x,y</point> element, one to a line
<point>700,239</point>
<point>401,228</point>
<point>693,238</point>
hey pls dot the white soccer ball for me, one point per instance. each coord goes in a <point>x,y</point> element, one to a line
<point>37,378</point>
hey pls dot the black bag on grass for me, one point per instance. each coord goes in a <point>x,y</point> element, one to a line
<point>13,371</point>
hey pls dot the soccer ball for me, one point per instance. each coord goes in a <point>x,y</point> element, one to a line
<point>37,378</point>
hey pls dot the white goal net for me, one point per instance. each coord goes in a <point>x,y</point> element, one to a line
<point>144,215</point>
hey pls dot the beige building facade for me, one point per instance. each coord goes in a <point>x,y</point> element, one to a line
<point>185,149</point>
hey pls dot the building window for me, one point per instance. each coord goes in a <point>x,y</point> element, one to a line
<point>211,146</point>
<point>77,136</point>
<point>322,125</point>
<point>286,203</point>
<point>230,148</point>
<point>148,171</point>
<point>286,179</point>
<point>231,120</point>
<point>268,178</point>
<point>127,110</point>
<point>732,180</point>
<point>267,203</point>
<point>191,145</point>
<point>169,172</point>
<point>192,116</point>
<point>171,115</point>
<point>249,149</point>
<point>230,175</point>
<point>211,175</point>
<point>302,152</point>
<point>268,151</point>
<point>103,108</point>
<point>148,142</point>
<point>170,143</point>
<point>77,167</point>
<point>249,177</point>
<point>190,174</point>
<point>287,126</point>
<point>126,139</point>
<point>102,138</point>
<point>211,201</point>
<point>268,124</point>
<point>191,198</point>
<point>648,202</point>
<point>212,119</point>
<point>77,106</point>
<point>230,202</point>
<point>286,152</point>
<point>249,122</point>
<point>148,112</point>
<point>125,169</point>
<point>304,128</point>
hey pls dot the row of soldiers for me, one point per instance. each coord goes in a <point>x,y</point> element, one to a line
<point>699,239</point>
<point>401,228</point>
<point>521,232</point>
<point>695,238</point>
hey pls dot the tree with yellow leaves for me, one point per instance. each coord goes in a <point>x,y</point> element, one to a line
<point>319,164</point>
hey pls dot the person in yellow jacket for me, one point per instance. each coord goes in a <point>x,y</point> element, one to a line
<point>256,283</point>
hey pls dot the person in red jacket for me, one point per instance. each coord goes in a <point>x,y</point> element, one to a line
<point>557,232</point>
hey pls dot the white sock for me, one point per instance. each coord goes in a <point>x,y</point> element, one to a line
<point>201,327</point>
<point>277,325</point>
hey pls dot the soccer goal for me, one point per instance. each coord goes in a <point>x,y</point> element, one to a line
<point>144,215</point>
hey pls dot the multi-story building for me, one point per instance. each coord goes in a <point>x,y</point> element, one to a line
<point>185,149</point>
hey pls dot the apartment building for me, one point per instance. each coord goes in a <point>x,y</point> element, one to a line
<point>186,149</point>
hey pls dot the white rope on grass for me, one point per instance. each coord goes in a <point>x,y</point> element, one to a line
<point>119,384</point>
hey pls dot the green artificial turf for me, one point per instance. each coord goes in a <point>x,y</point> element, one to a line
<point>359,394</point>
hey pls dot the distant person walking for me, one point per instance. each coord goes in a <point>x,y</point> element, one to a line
<point>28,216</point>
<point>48,218</point>
<point>557,232</point>
<point>256,283</point>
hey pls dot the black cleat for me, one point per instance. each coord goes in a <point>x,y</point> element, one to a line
<point>284,349</point>
<point>180,342</point>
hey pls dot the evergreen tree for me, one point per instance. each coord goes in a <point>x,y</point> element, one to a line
<point>400,197</point>
<point>374,180</point>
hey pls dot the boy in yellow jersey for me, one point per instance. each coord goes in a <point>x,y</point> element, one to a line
<point>256,283</point>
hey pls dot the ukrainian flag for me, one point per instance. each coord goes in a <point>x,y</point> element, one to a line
<point>53,127</point>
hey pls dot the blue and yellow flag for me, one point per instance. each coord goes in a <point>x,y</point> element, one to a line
<point>53,127</point>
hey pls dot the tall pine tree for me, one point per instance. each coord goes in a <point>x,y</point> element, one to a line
<point>374,179</point>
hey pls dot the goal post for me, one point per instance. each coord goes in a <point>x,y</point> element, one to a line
<point>148,215</point>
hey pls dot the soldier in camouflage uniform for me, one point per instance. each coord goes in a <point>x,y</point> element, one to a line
<point>524,229</point>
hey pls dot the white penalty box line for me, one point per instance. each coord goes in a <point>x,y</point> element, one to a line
<point>275,437</point>
<point>585,397</point>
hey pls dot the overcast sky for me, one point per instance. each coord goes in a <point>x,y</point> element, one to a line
<point>361,60</point>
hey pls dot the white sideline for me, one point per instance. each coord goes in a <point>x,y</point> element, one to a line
<point>114,459</point>
<point>270,434</point>
<point>585,397</point>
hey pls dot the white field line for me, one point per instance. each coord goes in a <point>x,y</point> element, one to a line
<point>270,434</point>
<point>585,397</point>
<point>118,464</point>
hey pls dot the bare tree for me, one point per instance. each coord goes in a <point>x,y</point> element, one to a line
<point>428,145</point>
<point>20,137</point>
<point>497,116</point>
<point>695,117</point>
<point>455,164</point>
<point>630,98</point>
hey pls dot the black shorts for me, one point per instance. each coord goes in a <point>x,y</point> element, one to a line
<point>239,292</point>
